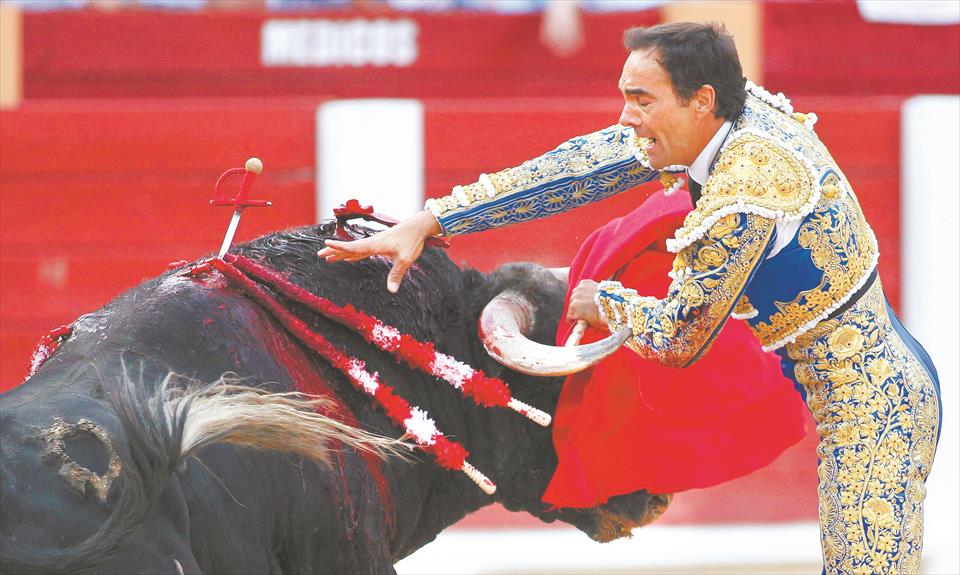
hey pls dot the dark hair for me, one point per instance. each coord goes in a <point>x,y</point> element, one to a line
<point>695,55</point>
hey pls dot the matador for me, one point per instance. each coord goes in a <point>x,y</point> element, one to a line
<point>776,238</point>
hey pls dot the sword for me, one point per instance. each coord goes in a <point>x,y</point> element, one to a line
<point>231,230</point>
<point>250,171</point>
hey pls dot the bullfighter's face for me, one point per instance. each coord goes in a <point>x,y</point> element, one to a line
<point>655,111</point>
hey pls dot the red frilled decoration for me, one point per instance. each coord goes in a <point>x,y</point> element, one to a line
<point>398,409</point>
<point>630,423</point>
<point>484,390</point>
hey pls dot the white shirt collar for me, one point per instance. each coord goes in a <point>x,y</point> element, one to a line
<point>700,168</point>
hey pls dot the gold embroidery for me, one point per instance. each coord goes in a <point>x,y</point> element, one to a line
<point>831,191</point>
<point>842,248</point>
<point>582,170</point>
<point>773,166</point>
<point>447,203</point>
<point>676,331</point>
<point>639,147</point>
<point>877,412</point>
<point>584,160</point>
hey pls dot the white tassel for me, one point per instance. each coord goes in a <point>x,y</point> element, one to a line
<point>748,315</point>
<point>461,196</point>
<point>778,101</point>
<point>421,427</point>
<point>488,186</point>
<point>433,207</point>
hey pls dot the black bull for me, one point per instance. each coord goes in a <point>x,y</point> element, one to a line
<point>215,507</point>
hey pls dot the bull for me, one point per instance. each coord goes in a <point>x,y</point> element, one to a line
<point>180,429</point>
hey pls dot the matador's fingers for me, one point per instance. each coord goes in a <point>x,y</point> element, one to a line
<point>396,274</point>
<point>336,250</point>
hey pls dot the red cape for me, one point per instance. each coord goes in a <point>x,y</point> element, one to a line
<point>630,423</point>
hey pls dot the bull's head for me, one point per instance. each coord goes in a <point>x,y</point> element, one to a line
<point>525,303</point>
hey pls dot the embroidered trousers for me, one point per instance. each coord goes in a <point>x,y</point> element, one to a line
<point>875,397</point>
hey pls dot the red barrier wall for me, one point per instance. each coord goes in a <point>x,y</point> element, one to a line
<point>105,194</point>
<point>827,48</point>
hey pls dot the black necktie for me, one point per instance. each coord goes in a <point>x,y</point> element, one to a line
<point>694,188</point>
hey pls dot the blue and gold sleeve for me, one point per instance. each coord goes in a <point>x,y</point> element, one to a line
<point>709,277</point>
<point>580,171</point>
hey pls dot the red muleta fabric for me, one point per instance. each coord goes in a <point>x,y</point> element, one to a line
<point>630,423</point>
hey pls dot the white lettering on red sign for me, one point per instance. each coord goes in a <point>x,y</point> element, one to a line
<point>320,43</point>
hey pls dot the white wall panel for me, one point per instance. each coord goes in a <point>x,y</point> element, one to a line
<point>930,225</point>
<point>371,150</point>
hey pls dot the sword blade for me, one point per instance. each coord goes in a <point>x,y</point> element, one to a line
<point>231,230</point>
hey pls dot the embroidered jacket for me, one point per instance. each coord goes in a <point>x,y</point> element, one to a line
<point>771,167</point>
<point>580,171</point>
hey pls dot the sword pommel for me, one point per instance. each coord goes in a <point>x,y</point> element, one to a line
<point>254,165</point>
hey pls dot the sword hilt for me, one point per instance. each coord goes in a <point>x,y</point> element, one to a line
<point>250,171</point>
<point>241,201</point>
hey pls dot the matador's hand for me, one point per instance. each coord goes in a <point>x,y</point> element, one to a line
<point>582,305</point>
<point>402,243</point>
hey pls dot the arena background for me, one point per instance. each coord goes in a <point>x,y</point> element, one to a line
<point>118,116</point>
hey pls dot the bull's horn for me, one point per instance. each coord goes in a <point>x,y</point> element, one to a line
<point>503,324</point>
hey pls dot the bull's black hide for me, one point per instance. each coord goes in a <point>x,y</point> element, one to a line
<point>235,510</point>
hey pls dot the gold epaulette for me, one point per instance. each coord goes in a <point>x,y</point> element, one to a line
<point>752,175</point>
